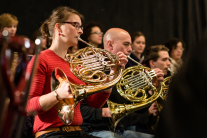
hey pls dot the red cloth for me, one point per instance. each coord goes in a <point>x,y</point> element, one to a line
<point>48,60</point>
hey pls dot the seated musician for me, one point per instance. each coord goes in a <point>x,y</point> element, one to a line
<point>64,28</point>
<point>8,22</point>
<point>176,47</point>
<point>157,57</point>
<point>138,46</point>
<point>95,120</point>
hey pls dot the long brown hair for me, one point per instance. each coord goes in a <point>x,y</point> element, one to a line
<point>59,15</point>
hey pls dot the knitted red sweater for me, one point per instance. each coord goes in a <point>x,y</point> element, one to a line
<point>48,60</point>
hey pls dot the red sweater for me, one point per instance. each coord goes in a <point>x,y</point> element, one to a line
<point>48,60</point>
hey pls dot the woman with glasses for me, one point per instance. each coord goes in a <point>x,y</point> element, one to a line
<point>63,27</point>
<point>176,47</point>
<point>92,34</point>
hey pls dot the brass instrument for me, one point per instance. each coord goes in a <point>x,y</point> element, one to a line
<point>93,66</point>
<point>165,88</point>
<point>134,86</point>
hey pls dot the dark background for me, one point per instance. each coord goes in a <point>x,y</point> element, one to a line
<point>159,20</point>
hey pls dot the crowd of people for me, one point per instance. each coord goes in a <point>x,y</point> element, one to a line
<point>60,33</point>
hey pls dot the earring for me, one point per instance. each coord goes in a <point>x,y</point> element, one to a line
<point>59,34</point>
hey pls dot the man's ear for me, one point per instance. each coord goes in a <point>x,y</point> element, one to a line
<point>110,45</point>
<point>152,64</point>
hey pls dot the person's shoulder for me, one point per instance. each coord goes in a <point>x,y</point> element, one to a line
<point>43,56</point>
<point>46,53</point>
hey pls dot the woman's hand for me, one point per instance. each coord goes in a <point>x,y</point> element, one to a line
<point>64,91</point>
<point>47,101</point>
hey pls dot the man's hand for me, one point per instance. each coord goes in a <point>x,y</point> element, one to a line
<point>123,61</point>
<point>122,58</point>
<point>160,77</point>
<point>153,109</point>
<point>106,112</point>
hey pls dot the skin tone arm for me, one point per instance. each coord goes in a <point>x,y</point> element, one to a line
<point>49,100</point>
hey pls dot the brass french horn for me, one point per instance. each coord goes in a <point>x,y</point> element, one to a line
<point>164,94</point>
<point>91,65</point>
<point>133,86</point>
<point>165,85</point>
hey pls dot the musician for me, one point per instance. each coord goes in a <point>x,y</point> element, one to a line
<point>176,47</point>
<point>158,57</point>
<point>185,110</point>
<point>92,34</point>
<point>95,120</point>
<point>8,22</point>
<point>64,28</point>
<point>138,46</point>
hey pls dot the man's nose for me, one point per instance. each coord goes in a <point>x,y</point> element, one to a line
<point>130,49</point>
<point>168,62</point>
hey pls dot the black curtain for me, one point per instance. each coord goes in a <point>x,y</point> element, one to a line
<point>159,20</point>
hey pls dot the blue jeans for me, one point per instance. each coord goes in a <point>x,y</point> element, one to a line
<point>125,134</point>
<point>134,134</point>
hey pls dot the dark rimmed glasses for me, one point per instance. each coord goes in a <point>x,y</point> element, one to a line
<point>97,33</point>
<point>75,24</point>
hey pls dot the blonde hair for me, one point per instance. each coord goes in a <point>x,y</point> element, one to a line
<point>7,19</point>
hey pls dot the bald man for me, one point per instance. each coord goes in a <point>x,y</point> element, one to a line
<point>117,41</point>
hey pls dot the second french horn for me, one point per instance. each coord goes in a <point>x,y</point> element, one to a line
<point>94,67</point>
<point>134,86</point>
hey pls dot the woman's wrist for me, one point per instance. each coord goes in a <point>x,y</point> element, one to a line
<point>56,95</point>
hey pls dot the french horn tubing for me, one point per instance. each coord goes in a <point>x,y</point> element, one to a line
<point>133,86</point>
<point>164,94</point>
<point>91,65</point>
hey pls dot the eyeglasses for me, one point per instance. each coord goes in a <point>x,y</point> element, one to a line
<point>97,33</point>
<point>179,48</point>
<point>75,24</point>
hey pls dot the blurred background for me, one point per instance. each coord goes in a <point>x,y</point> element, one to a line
<point>159,20</point>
